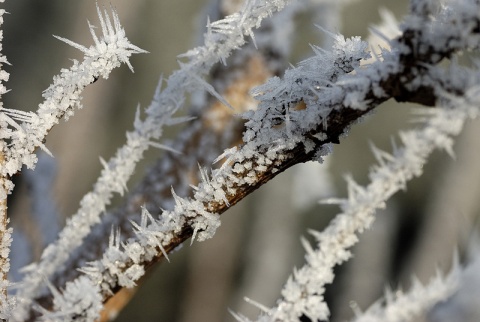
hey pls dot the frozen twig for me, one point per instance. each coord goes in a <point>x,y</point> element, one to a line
<point>64,95</point>
<point>60,99</point>
<point>416,302</point>
<point>6,303</point>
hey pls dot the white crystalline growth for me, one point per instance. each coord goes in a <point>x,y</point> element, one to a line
<point>79,301</point>
<point>64,95</point>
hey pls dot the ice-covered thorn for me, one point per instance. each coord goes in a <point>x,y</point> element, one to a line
<point>260,306</point>
<point>327,32</point>
<point>209,27</point>
<point>449,149</point>
<point>209,88</point>
<point>252,35</point>
<point>104,164</point>
<point>116,19</point>
<point>110,29</point>
<point>19,115</point>
<point>93,33</point>
<point>138,228</point>
<point>180,119</point>
<point>137,123</point>
<point>332,201</point>
<point>238,317</point>
<point>226,153</point>
<point>194,235</point>
<point>111,238</point>
<point>246,11</point>
<point>377,32</point>
<point>306,245</point>
<point>380,155</point>
<point>44,148</point>
<point>73,44</point>
<point>394,145</point>
<point>52,288</point>
<point>203,174</point>
<point>318,50</point>
<point>178,200</point>
<point>163,251</point>
<point>163,147</point>
<point>102,21</point>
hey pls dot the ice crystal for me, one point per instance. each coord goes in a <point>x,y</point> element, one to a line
<point>79,301</point>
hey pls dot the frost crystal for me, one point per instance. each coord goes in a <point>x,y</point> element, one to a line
<point>80,301</point>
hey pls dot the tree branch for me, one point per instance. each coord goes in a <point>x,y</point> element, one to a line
<point>296,121</point>
<point>396,76</point>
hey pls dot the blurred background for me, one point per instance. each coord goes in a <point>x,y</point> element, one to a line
<point>258,244</point>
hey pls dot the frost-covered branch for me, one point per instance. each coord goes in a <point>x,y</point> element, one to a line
<point>296,120</point>
<point>6,303</point>
<point>303,293</point>
<point>416,302</point>
<point>60,100</point>
<point>214,129</point>
<point>199,143</point>
<point>113,179</point>
<point>222,37</point>
<point>64,95</point>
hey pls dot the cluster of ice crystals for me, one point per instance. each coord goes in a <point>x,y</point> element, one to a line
<point>451,25</point>
<point>297,103</point>
<point>60,100</point>
<point>123,264</point>
<point>7,303</point>
<point>303,292</point>
<point>79,301</point>
<point>64,95</point>
<point>116,266</point>
<point>289,108</point>
<point>406,306</point>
